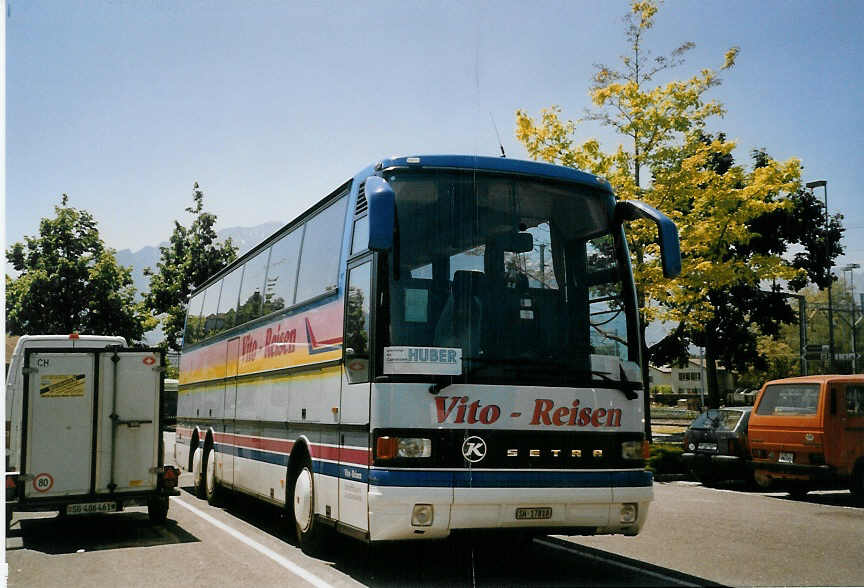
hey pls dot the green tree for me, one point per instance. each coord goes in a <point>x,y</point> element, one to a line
<point>192,255</point>
<point>746,312</point>
<point>68,281</point>
<point>664,128</point>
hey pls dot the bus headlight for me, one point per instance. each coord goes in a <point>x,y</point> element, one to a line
<point>405,447</point>
<point>631,450</point>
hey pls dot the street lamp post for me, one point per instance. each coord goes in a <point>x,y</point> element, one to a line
<point>824,185</point>
<point>850,268</point>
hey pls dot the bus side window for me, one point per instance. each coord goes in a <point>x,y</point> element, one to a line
<point>251,289</point>
<point>227,315</point>
<point>211,308</point>
<point>319,258</point>
<point>282,272</point>
<point>193,320</point>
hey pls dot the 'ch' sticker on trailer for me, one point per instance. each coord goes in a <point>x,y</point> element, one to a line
<point>62,385</point>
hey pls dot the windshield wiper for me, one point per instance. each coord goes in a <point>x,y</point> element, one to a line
<point>623,384</point>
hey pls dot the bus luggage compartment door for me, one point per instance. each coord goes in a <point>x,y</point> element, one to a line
<point>59,424</point>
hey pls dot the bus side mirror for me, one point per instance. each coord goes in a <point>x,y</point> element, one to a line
<point>382,213</point>
<point>670,248</point>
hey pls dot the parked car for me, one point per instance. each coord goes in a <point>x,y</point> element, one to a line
<point>807,433</point>
<point>716,446</point>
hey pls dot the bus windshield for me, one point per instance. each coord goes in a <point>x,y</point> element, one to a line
<point>521,276</point>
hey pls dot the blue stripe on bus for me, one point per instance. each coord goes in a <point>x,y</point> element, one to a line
<point>509,479</point>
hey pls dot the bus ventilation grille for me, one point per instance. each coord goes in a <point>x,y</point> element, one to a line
<point>362,205</point>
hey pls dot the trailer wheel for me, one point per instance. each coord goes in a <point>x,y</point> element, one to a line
<point>157,509</point>
<point>309,531</point>
<point>197,457</point>
<point>211,486</point>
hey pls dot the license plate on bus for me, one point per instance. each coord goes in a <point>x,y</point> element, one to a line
<point>786,457</point>
<point>91,507</point>
<point>534,513</point>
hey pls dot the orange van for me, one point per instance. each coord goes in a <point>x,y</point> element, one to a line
<point>807,433</point>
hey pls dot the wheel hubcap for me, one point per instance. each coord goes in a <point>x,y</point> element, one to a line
<point>211,473</point>
<point>303,499</point>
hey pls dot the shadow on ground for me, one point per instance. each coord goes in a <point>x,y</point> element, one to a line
<point>60,535</point>
<point>467,560</point>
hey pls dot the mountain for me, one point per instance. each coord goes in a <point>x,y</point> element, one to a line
<point>244,238</point>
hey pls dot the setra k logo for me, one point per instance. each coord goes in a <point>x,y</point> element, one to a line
<point>474,449</point>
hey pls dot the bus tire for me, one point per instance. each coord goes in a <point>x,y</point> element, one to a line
<point>309,531</point>
<point>157,509</point>
<point>211,485</point>
<point>197,458</point>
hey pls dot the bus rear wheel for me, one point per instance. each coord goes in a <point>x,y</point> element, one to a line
<point>309,531</point>
<point>210,484</point>
<point>197,477</point>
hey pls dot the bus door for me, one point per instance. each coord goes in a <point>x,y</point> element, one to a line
<point>226,457</point>
<point>354,400</point>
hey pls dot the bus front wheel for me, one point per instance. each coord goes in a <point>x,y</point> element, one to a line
<point>309,532</point>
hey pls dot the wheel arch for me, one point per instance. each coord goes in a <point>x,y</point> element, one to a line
<point>300,453</point>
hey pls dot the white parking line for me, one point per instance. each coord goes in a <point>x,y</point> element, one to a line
<point>291,567</point>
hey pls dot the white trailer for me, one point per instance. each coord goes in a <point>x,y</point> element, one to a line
<point>85,427</point>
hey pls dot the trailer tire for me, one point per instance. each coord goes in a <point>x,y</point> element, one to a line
<point>157,509</point>
<point>309,531</point>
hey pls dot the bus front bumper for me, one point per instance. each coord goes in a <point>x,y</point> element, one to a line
<point>398,513</point>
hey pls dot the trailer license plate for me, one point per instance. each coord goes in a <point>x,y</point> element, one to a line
<point>91,507</point>
<point>533,514</point>
<point>786,457</point>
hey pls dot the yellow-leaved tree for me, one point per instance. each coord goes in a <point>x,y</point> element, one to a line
<point>668,159</point>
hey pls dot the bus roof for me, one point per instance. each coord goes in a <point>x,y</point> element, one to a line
<point>494,164</point>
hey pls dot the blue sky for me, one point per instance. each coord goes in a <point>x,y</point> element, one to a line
<point>270,105</point>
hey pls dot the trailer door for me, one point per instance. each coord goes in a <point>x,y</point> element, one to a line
<point>128,445</point>
<point>59,424</point>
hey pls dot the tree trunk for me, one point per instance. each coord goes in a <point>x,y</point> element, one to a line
<point>711,369</point>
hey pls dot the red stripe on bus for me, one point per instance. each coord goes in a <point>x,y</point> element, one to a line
<point>344,454</point>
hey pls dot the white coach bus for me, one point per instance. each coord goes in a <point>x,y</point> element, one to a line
<point>443,343</point>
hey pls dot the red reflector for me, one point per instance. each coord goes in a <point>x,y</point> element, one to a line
<point>170,473</point>
<point>74,336</point>
<point>10,481</point>
<point>386,447</point>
